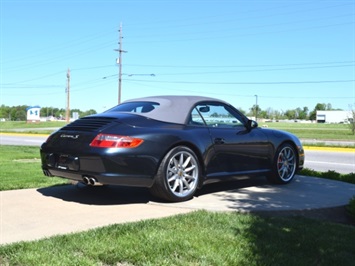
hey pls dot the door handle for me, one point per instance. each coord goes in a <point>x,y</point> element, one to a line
<point>219,141</point>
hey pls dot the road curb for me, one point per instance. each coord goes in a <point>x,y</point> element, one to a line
<point>333,149</point>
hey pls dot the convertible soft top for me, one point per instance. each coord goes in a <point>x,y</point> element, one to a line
<point>172,108</point>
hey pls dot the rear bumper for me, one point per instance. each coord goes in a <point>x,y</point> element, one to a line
<point>103,178</point>
<point>109,169</point>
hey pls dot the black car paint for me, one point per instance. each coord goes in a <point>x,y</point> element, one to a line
<point>136,167</point>
<point>243,150</point>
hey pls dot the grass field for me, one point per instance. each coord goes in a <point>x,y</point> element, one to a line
<point>316,131</point>
<point>13,125</point>
<point>21,168</point>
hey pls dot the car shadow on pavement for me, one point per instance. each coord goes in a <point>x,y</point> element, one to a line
<point>100,195</point>
<point>232,185</point>
<point>119,195</point>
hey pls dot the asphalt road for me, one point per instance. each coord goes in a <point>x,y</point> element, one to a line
<point>321,159</point>
<point>338,160</point>
<point>22,139</point>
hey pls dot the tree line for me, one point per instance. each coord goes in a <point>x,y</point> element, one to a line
<point>18,113</point>
<point>290,114</point>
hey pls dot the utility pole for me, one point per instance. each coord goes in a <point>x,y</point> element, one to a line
<point>67,113</point>
<point>119,62</point>
<point>256,108</point>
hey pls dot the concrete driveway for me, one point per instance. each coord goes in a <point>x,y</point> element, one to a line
<point>32,214</point>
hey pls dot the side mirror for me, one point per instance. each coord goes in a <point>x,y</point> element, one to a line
<point>252,124</point>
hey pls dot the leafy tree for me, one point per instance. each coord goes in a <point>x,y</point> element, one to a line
<point>89,112</point>
<point>291,114</point>
<point>277,115</point>
<point>255,110</point>
<point>302,113</point>
<point>214,114</point>
<point>262,114</point>
<point>19,113</point>
<point>4,111</point>
<point>319,107</point>
<point>269,113</point>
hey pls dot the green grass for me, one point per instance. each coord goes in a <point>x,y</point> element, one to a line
<point>34,128</point>
<point>315,131</point>
<point>199,238</point>
<point>21,168</point>
<point>9,125</point>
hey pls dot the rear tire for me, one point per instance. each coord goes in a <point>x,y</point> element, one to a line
<point>284,165</point>
<point>178,175</point>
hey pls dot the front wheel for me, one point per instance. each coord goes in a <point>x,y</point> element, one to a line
<point>178,175</point>
<point>284,165</point>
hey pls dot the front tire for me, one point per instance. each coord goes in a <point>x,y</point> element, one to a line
<point>178,175</point>
<point>284,165</point>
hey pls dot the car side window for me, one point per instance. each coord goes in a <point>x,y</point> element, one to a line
<point>196,118</point>
<point>215,115</point>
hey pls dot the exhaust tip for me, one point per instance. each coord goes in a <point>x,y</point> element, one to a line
<point>86,180</point>
<point>91,181</point>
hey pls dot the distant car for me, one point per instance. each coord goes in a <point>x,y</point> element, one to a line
<point>172,145</point>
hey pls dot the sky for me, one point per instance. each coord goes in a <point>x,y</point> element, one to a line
<point>278,54</point>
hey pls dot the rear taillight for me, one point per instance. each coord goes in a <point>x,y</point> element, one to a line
<point>115,141</point>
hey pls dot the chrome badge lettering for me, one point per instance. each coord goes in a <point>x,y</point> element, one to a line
<point>69,136</point>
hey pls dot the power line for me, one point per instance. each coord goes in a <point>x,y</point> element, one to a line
<point>246,66</point>
<point>253,70</point>
<point>250,83</point>
<point>249,27</point>
<point>202,20</point>
<point>314,65</point>
<point>234,34</point>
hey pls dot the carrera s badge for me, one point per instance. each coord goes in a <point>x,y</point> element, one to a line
<point>69,136</point>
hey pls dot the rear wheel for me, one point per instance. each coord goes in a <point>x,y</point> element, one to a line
<point>178,175</point>
<point>284,165</point>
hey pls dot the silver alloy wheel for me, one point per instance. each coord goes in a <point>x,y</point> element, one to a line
<point>182,174</point>
<point>286,164</point>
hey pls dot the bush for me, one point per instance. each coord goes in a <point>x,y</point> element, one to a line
<point>349,178</point>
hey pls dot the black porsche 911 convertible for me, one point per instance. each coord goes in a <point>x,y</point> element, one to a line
<point>170,144</point>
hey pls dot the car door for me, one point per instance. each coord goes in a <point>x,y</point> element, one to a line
<point>238,148</point>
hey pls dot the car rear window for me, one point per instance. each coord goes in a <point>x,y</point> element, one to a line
<point>135,107</point>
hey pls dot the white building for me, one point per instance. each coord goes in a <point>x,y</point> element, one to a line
<point>334,116</point>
